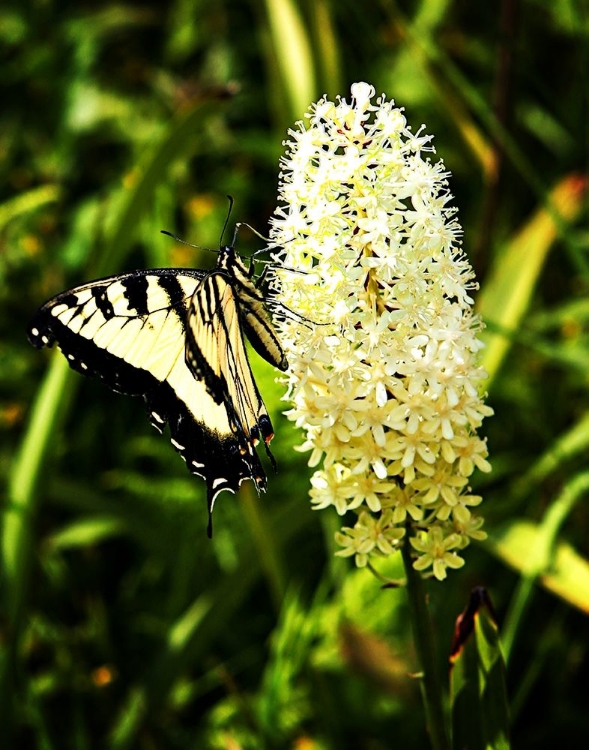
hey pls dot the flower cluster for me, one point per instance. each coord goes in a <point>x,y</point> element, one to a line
<point>383,375</point>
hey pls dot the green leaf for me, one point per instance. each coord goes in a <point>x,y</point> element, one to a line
<point>568,574</point>
<point>477,681</point>
<point>507,293</point>
<point>294,57</point>
<point>564,448</point>
<point>86,531</point>
<point>27,202</point>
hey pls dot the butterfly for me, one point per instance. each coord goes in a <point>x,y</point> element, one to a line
<point>176,338</point>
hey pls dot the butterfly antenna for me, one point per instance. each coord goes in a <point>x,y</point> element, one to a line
<point>230,198</point>
<point>183,242</point>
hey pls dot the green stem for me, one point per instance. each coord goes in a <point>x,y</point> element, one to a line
<point>423,636</point>
<point>297,80</point>
<point>265,543</point>
<point>540,557</point>
<point>16,538</point>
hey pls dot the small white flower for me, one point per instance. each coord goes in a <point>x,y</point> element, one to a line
<point>387,386</point>
<point>370,536</point>
<point>436,550</point>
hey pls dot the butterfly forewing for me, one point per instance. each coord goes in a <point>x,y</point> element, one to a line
<point>120,328</point>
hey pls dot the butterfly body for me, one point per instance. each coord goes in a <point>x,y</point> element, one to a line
<point>176,338</point>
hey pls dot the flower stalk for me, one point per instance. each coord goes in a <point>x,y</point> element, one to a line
<point>424,640</point>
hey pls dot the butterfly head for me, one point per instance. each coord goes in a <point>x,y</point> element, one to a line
<point>232,263</point>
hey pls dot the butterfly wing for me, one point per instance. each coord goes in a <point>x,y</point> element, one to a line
<point>254,316</point>
<point>216,354</point>
<point>130,330</point>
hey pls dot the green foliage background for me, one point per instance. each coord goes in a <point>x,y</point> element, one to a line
<point>121,624</point>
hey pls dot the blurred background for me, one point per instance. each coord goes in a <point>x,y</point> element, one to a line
<point>121,624</point>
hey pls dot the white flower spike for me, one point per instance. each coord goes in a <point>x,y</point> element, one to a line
<point>388,395</point>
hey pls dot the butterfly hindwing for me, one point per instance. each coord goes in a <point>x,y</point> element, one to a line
<point>131,331</point>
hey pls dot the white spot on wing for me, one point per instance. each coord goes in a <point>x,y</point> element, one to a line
<point>218,481</point>
<point>177,445</point>
<point>57,310</point>
<point>65,316</point>
<point>34,332</point>
<point>223,489</point>
<point>157,417</point>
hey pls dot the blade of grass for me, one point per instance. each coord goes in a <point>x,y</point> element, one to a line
<point>508,289</point>
<point>270,560</point>
<point>16,552</point>
<point>293,52</point>
<point>572,443</point>
<point>423,638</point>
<point>16,531</point>
<point>86,531</point>
<point>27,202</point>
<point>327,46</point>
<point>535,553</point>
<point>480,717</point>
<point>568,575</point>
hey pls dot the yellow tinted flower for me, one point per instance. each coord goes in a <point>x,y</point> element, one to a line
<point>388,391</point>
